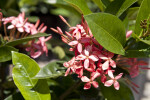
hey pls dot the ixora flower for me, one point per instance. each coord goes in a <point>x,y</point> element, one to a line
<point>91,59</point>
<point>134,66</point>
<point>25,28</point>
<point>113,80</point>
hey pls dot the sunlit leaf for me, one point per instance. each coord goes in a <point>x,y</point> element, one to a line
<point>26,68</point>
<point>51,70</point>
<point>108,30</point>
<point>144,13</point>
<point>25,39</point>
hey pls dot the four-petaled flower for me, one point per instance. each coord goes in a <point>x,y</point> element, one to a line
<point>89,82</point>
<point>113,80</point>
<point>87,56</point>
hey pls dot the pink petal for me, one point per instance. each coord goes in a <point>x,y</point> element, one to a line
<point>86,63</point>
<point>78,35</point>
<point>116,85</point>
<point>110,74</point>
<point>86,52</point>
<point>79,47</point>
<point>108,83</point>
<point>67,72</point>
<point>87,86</point>
<point>110,54</point>
<point>101,56</point>
<point>129,33</point>
<point>10,26</point>
<point>85,79</point>
<point>66,64</point>
<point>36,54</point>
<point>105,65</point>
<point>95,75</point>
<point>119,76</point>
<point>113,63</point>
<point>73,43</point>
<point>80,57</point>
<point>20,29</point>
<point>93,57</point>
<point>95,84</point>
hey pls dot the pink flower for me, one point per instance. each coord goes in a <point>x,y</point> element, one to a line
<point>38,48</point>
<point>113,80</point>
<point>76,43</point>
<point>129,33</point>
<point>108,61</point>
<point>89,82</point>
<point>134,69</point>
<point>70,66</point>
<point>35,50</point>
<point>87,56</point>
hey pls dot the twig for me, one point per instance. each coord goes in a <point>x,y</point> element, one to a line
<point>66,93</point>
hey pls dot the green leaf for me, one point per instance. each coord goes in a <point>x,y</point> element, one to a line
<point>143,14</point>
<point>59,51</point>
<point>132,13</point>
<point>5,53</point>
<point>80,5</point>
<point>117,7</point>
<point>16,96</point>
<point>100,4</point>
<point>26,68</point>
<point>138,50</point>
<point>28,38</point>
<point>144,41</point>
<point>62,6</point>
<point>138,53</point>
<point>51,70</point>
<point>124,92</point>
<point>106,2</point>
<point>108,30</point>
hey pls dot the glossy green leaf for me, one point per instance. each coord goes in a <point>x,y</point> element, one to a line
<point>100,4</point>
<point>124,92</point>
<point>28,38</point>
<point>117,7</point>
<point>80,5</point>
<point>51,70</point>
<point>144,13</point>
<point>26,68</point>
<point>5,53</point>
<point>108,30</point>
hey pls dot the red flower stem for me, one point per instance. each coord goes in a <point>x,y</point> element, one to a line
<point>5,31</point>
<point>22,34</point>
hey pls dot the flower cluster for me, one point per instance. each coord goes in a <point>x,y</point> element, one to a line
<point>25,28</point>
<point>91,59</point>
